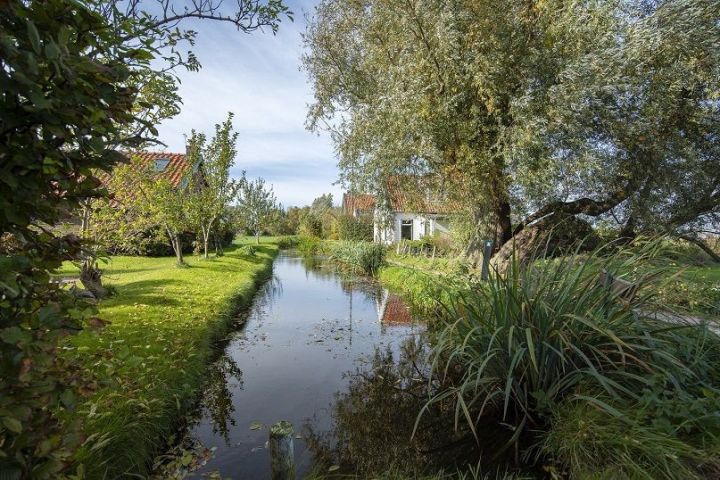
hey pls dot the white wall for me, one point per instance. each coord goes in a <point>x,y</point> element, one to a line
<point>393,234</point>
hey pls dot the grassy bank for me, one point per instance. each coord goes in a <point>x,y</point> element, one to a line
<point>150,360</point>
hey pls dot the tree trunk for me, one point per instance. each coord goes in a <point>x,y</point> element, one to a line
<point>703,246</point>
<point>177,246</point>
<point>91,278</point>
<point>257,238</point>
<point>218,245</point>
<point>504,225</point>
<point>206,239</point>
<point>551,236</point>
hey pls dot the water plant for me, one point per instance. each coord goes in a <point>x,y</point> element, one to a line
<point>528,352</point>
<point>357,257</point>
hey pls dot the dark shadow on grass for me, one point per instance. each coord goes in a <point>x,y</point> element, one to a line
<point>148,292</point>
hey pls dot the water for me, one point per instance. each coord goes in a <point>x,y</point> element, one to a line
<point>312,342</point>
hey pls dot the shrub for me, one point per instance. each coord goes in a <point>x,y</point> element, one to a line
<point>515,352</point>
<point>287,242</point>
<point>310,225</point>
<point>357,257</point>
<point>354,229</point>
<point>309,246</point>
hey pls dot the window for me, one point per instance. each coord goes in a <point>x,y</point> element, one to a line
<point>406,229</point>
<point>161,163</point>
<point>426,225</point>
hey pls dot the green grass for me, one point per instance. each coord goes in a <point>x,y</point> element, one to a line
<point>149,362</point>
<point>426,292</point>
<point>442,265</point>
<point>695,289</point>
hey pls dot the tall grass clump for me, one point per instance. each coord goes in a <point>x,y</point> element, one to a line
<point>287,242</point>
<point>546,364</point>
<point>309,246</point>
<point>357,257</point>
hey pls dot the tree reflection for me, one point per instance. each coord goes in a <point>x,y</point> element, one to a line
<point>374,420</point>
<point>224,376</point>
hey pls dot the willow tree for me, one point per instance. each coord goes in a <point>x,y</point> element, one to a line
<point>552,110</point>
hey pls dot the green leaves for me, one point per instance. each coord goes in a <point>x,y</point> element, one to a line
<point>34,37</point>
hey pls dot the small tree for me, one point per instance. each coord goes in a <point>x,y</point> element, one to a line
<point>212,192</point>
<point>256,205</point>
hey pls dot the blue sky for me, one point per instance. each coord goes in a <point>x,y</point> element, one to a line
<point>257,77</point>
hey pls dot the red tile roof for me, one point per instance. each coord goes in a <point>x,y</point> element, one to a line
<point>177,168</point>
<point>358,201</point>
<point>406,193</point>
<point>409,193</point>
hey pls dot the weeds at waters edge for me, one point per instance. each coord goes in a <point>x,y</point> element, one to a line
<point>363,258</point>
<point>551,370</point>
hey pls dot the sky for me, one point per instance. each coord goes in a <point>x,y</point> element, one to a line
<point>257,77</point>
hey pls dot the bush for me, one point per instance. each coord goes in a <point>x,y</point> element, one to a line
<point>354,229</point>
<point>287,242</point>
<point>310,225</point>
<point>357,257</point>
<point>517,353</point>
<point>309,246</point>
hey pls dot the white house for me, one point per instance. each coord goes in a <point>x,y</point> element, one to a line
<point>406,216</point>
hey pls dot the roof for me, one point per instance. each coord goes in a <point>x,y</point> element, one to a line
<point>358,201</point>
<point>408,193</point>
<point>175,170</point>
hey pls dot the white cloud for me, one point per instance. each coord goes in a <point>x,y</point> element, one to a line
<point>257,77</point>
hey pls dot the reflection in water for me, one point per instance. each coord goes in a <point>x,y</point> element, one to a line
<point>289,360</point>
<point>375,418</point>
<point>224,377</point>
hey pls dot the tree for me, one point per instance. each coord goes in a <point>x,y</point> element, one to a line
<point>68,104</point>
<point>256,205</point>
<point>212,192</point>
<point>527,110</point>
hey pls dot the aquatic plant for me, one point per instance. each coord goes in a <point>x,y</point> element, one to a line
<point>546,343</point>
<point>357,257</point>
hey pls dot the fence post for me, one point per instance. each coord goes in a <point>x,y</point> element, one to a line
<point>487,253</point>
<point>282,451</point>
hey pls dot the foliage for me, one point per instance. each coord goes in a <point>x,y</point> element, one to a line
<point>286,242</point>
<point>319,219</point>
<point>77,83</point>
<point>160,201</point>
<point>523,109</point>
<point>247,250</point>
<point>211,190</point>
<point>54,56</point>
<point>256,205</point>
<point>528,344</point>
<point>309,246</point>
<point>426,292</point>
<point>354,229</point>
<point>151,360</point>
<point>357,257</point>
<point>310,225</point>
<point>693,292</point>
<point>592,443</point>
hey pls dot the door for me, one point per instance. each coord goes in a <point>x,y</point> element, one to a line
<point>406,230</point>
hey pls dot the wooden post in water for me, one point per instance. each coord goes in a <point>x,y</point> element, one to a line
<point>282,451</point>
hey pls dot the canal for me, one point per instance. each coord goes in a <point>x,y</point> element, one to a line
<point>316,349</point>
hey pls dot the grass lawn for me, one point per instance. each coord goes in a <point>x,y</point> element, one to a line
<point>150,360</point>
